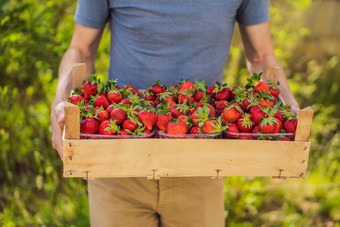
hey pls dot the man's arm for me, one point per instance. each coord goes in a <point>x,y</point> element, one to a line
<point>83,48</point>
<point>260,53</point>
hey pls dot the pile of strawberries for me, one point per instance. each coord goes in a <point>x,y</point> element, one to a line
<point>183,110</point>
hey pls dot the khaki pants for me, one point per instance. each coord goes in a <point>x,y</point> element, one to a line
<point>168,202</point>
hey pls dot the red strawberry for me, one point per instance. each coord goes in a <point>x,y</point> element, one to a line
<point>279,115</point>
<point>133,90</point>
<point>102,115</point>
<point>118,115</point>
<point>290,125</point>
<point>185,99</point>
<point>212,126</point>
<point>244,123</point>
<point>186,86</point>
<point>88,126</point>
<point>274,89</point>
<point>176,128</point>
<point>147,118</point>
<point>129,124</point>
<point>179,109</point>
<point>123,133</point>
<point>198,96</point>
<point>284,138</point>
<point>114,96</point>
<point>248,103</point>
<point>90,87</point>
<point>211,89</point>
<point>232,112</point>
<point>148,95</point>
<point>278,126</point>
<point>266,103</point>
<point>110,108</point>
<point>268,125</point>
<point>183,118</point>
<point>125,102</point>
<point>245,137</point>
<point>146,131</point>
<point>162,121</point>
<point>202,114</point>
<point>256,115</point>
<point>101,101</point>
<point>75,99</point>
<point>255,129</point>
<point>195,130</point>
<point>158,88</point>
<point>220,105</point>
<point>262,86</point>
<point>108,128</point>
<point>232,131</point>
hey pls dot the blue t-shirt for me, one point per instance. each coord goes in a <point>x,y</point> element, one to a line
<point>169,39</point>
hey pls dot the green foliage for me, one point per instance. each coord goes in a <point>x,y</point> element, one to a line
<point>35,34</point>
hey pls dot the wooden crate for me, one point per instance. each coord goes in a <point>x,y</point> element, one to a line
<point>154,158</point>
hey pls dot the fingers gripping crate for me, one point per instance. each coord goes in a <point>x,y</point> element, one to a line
<point>154,158</point>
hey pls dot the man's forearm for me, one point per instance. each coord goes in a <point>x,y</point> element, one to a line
<point>261,64</point>
<point>65,82</point>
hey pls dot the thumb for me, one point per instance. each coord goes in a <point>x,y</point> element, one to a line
<point>60,113</point>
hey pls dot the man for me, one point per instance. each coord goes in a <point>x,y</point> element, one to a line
<point>165,40</point>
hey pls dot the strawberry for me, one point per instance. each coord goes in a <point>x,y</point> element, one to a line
<point>75,99</point>
<point>266,103</point>
<point>232,112</point>
<point>129,124</point>
<point>148,95</point>
<point>195,130</point>
<point>200,86</point>
<point>213,126</point>
<point>146,131</point>
<point>108,127</point>
<point>280,115</point>
<point>162,121</point>
<point>176,128</point>
<point>232,131</point>
<point>166,97</point>
<point>110,108</point>
<point>133,90</point>
<point>147,118</point>
<point>220,105</point>
<point>187,85</point>
<point>125,102</point>
<point>198,96</point>
<point>90,87</point>
<point>118,115</point>
<point>185,97</point>
<point>158,88</point>
<point>262,86</point>
<point>88,126</point>
<point>245,137</point>
<point>101,101</point>
<point>179,109</point>
<point>274,89</point>
<point>202,114</point>
<point>256,114</point>
<point>114,96</point>
<point>248,103</point>
<point>278,126</point>
<point>221,92</point>
<point>102,115</point>
<point>123,133</point>
<point>268,125</point>
<point>244,123</point>
<point>211,89</point>
<point>256,129</point>
<point>290,125</point>
<point>283,138</point>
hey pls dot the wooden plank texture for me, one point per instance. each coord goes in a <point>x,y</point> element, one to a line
<point>72,121</point>
<point>79,74</point>
<point>154,158</point>
<point>273,73</point>
<point>304,125</point>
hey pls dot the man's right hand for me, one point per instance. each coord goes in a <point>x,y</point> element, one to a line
<point>57,123</point>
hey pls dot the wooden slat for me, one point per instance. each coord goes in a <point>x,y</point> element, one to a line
<point>154,158</point>
<point>72,121</point>
<point>79,74</point>
<point>304,125</point>
<point>273,73</point>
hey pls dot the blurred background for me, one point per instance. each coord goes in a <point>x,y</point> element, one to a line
<point>34,34</point>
